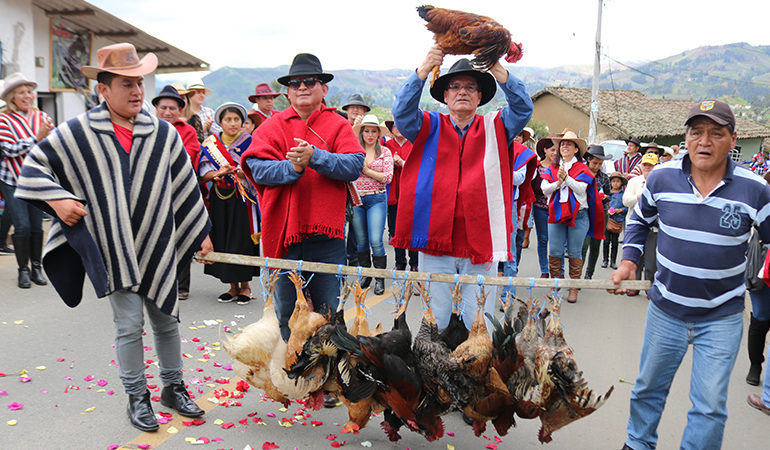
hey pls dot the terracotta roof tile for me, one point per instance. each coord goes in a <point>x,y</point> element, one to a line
<point>632,113</point>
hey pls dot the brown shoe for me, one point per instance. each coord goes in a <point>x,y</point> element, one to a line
<point>755,401</point>
<point>575,269</point>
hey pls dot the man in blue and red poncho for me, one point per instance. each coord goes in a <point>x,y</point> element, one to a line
<point>455,201</point>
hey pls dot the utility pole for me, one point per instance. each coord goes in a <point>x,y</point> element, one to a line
<point>594,116</point>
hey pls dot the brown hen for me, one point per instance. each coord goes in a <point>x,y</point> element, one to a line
<point>462,33</point>
<point>303,323</point>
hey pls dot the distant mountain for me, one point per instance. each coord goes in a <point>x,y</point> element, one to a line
<point>738,73</point>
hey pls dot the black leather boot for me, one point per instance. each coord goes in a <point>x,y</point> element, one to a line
<point>140,412</point>
<point>379,262</point>
<point>756,344</point>
<point>35,255</point>
<point>176,397</point>
<point>21,249</point>
<point>364,260</point>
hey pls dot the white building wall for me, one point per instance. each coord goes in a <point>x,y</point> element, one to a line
<point>16,31</point>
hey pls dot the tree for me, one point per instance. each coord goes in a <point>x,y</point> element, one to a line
<point>281,102</point>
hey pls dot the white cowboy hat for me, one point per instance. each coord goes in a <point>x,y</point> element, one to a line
<point>370,120</point>
<point>13,81</point>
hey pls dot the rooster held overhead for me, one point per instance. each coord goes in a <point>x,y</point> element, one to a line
<point>462,33</point>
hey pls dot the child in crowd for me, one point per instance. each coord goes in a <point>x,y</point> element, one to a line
<point>617,213</point>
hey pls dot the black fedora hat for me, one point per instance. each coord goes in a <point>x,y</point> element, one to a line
<point>305,64</point>
<point>634,140</point>
<point>168,92</point>
<point>597,151</point>
<point>356,99</point>
<point>463,67</point>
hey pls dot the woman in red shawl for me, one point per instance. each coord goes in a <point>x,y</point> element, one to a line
<point>572,207</point>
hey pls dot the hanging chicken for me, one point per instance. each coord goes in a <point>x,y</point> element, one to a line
<point>462,33</point>
<point>252,349</point>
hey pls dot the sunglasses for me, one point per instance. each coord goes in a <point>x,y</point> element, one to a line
<point>309,82</point>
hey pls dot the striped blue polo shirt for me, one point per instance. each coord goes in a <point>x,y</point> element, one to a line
<point>701,241</point>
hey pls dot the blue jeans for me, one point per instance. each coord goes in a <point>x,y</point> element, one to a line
<point>559,234</point>
<point>128,316</point>
<point>26,218</point>
<point>541,227</point>
<point>511,268</point>
<point>369,223</point>
<point>440,292</point>
<point>324,289</point>
<point>760,303</point>
<point>666,339</point>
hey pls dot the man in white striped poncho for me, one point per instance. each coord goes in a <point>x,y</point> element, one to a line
<point>705,206</point>
<point>129,209</point>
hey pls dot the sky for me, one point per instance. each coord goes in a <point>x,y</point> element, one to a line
<point>389,34</point>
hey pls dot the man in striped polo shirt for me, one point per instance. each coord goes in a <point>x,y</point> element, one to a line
<point>705,205</point>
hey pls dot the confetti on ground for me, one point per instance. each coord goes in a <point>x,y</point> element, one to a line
<point>227,425</point>
<point>3,393</point>
<point>450,447</point>
<point>491,446</point>
<point>143,446</point>
<point>337,444</point>
<point>18,322</point>
<point>102,382</point>
<point>40,367</point>
<point>15,406</point>
<point>88,410</point>
<point>269,446</point>
<point>88,378</point>
<point>172,430</point>
<point>24,379</point>
<point>367,444</point>
<point>11,422</point>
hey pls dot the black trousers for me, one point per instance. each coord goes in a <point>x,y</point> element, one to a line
<point>400,252</point>
<point>610,246</point>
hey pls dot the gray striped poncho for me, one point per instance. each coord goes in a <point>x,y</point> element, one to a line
<point>145,211</point>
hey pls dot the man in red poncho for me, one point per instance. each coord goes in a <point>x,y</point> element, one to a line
<point>299,160</point>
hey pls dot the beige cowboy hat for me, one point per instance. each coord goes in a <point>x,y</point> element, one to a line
<point>180,89</point>
<point>370,120</point>
<point>121,59</point>
<point>570,135</point>
<point>13,81</point>
<point>197,85</point>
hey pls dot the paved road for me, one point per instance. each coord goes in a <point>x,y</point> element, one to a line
<point>66,352</point>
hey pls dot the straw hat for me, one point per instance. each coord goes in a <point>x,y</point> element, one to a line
<point>180,89</point>
<point>121,59</point>
<point>570,135</point>
<point>197,85</point>
<point>13,81</point>
<point>623,179</point>
<point>370,120</point>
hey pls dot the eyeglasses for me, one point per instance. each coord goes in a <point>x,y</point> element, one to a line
<point>471,88</point>
<point>309,82</point>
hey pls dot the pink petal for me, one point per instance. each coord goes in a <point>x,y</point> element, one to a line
<point>102,382</point>
<point>14,406</point>
<point>88,378</point>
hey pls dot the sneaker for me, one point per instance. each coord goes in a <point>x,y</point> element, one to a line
<point>183,295</point>
<point>6,250</point>
<point>242,299</point>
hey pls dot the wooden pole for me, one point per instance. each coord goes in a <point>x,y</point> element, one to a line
<point>290,264</point>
